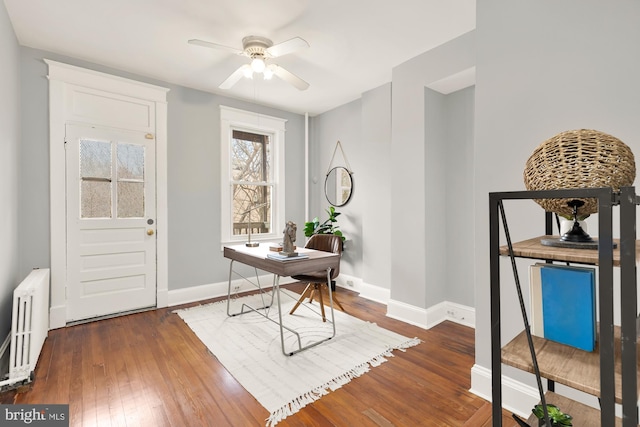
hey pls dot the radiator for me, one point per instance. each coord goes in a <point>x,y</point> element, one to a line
<point>29,323</point>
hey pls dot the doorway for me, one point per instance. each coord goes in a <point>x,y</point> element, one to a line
<point>98,256</point>
<point>111,242</point>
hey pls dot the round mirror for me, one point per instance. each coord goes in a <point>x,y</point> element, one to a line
<point>338,186</point>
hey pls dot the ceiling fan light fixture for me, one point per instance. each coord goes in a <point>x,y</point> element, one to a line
<point>258,65</point>
<point>258,49</point>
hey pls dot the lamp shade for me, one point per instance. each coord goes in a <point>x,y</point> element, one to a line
<point>583,158</point>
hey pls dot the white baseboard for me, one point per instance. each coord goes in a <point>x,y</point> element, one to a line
<point>162,298</point>
<point>430,317</point>
<point>57,317</point>
<point>461,314</point>
<point>365,290</point>
<point>214,290</point>
<point>424,318</point>
<point>517,397</point>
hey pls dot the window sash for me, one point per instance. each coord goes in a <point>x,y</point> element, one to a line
<point>244,123</point>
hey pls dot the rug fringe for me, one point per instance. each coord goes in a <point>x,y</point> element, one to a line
<point>301,401</point>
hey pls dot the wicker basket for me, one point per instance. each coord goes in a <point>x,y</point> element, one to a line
<point>582,158</point>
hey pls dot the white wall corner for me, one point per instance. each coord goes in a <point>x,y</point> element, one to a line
<point>430,317</point>
<point>162,298</point>
<point>365,290</point>
<point>57,317</point>
<point>411,314</point>
<point>517,397</point>
<point>461,314</point>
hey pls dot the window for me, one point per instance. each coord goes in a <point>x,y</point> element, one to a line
<point>97,183</point>
<point>252,153</point>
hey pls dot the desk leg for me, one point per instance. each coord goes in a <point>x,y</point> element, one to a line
<point>276,289</point>
<point>300,347</point>
<point>229,287</point>
<point>242,310</point>
<point>333,322</point>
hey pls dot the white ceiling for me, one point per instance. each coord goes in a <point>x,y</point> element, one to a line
<point>354,44</point>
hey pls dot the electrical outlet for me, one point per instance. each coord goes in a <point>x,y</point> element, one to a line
<point>454,314</point>
<point>235,288</point>
<point>350,283</point>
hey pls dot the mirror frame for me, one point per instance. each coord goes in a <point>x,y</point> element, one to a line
<point>326,182</point>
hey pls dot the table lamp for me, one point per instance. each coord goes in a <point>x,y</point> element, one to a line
<point>583,158</point>
<point>249,243</point>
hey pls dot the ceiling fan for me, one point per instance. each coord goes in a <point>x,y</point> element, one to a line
<point>260,50</point>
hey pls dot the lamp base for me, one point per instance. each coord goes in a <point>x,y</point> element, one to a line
<point>576,238</point>
<point>252,244</point>
<point>559,243</point>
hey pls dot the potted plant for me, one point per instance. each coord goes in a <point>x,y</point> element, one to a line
<point>329,226</point>
<point>556,416</point>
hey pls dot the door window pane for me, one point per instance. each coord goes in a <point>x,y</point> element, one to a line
<point>95,178</point>
<point>130,199</point>
<point>130,159</point>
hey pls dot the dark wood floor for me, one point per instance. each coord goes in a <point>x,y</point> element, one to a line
<point>149,369</point>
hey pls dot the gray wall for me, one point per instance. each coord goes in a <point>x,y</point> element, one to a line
<point>374,187</point>
<point>340,124</point>
<point>418,178</point>
<point>9,143</point>
<point>363,127</point>
<point>195,256</point>
<point>448,126</point>
<point>543,67</point>
<point>459,113</point>
<point>434,173</point>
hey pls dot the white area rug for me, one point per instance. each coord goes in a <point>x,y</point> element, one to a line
<point>249,348</point>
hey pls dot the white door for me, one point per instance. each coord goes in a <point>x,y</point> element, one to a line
<point>111,242</point>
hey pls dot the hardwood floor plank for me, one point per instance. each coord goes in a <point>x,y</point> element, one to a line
<point>150,369</point>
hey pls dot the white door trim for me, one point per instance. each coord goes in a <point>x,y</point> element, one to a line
<point>63,79</point>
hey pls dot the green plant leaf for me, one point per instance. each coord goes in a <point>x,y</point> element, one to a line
<point>555,415</point>
<point>329,226</point>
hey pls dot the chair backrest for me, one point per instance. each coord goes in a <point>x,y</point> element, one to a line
<point>326,243</point>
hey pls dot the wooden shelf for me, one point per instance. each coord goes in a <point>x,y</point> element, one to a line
<point>583,415</point>
<point>564,364</point>
<point>532,248</point>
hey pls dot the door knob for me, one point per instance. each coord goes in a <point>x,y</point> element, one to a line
<point>150,232</point>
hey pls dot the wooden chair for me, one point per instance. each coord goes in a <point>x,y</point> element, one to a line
<point>317,282</point>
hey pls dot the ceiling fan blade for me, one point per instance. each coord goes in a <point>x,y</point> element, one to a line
<point>289,77</point>
<point>215,46</point>
<point>287,47</point>
<point>234,77</point>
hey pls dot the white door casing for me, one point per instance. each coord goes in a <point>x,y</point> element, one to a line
<point>111,242</point>
<point>79,96</point>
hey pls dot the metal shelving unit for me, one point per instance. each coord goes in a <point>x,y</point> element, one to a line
<point>627,200</point>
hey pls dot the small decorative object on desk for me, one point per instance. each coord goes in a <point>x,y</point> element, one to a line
<point>290,230</point>
<point>275,247</point>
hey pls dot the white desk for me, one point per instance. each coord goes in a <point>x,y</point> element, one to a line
<point>257,257</point>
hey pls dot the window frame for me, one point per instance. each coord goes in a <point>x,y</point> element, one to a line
<point>235,119</point>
